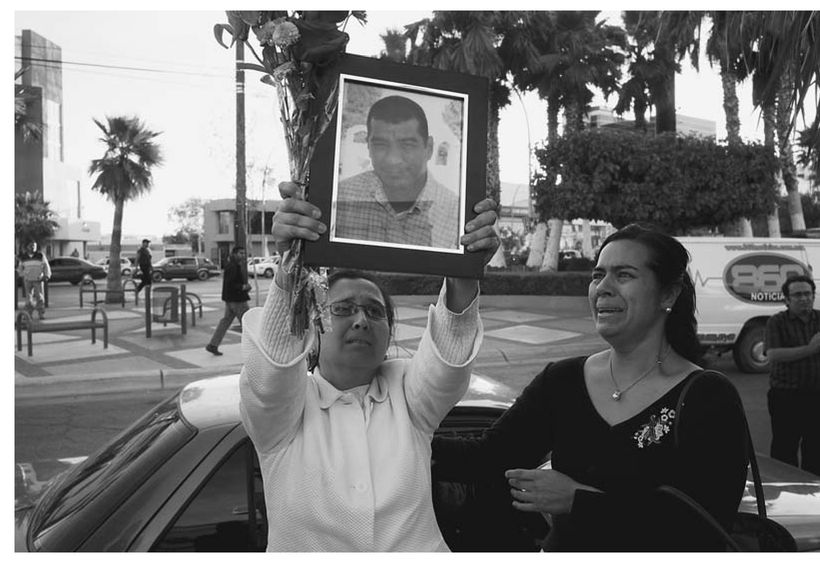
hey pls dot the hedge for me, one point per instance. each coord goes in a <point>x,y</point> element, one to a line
<point>495,283</point>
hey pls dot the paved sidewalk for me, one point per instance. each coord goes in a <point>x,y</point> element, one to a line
<point>522,333</point>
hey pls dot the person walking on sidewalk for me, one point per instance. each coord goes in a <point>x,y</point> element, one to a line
<point>235,289</point>
<point>34,270</point>
<point>144,263</point>
<point>793,347</point>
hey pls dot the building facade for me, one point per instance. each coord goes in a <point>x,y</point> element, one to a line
<point>219,228</point>
<point>39,163</point>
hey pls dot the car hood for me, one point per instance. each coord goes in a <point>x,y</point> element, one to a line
<point>792,500</point>
<point>215,401</point>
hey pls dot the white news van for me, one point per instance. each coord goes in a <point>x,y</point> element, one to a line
<point>737,282</point>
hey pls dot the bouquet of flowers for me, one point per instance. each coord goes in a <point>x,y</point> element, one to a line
<point>298,51</point>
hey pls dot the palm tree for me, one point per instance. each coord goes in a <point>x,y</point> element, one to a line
<point>124,173</point>
<point>33,219</point>
<point>783,53</point>
<point>725,47</point>
<point>810,150</point>
<point>667,37</point>
<point>575,53</point>
<point>395,45</point>
<point>635,94</point>
<point>28,127</point>
<point>467,42</point>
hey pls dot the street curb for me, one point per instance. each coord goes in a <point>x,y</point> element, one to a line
<point>115,382</point>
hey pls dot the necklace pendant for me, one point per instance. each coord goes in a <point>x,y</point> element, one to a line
<point>616,395</point>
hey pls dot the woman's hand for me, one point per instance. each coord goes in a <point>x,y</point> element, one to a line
<point>479,237</point>
<point>479,234</point>
<point>295,218</point>
<point>546,491</point>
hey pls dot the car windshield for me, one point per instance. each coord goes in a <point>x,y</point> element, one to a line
<point>152,435</point>
<point>163,262</point>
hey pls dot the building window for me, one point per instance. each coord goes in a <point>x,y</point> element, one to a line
<point>225,222</point>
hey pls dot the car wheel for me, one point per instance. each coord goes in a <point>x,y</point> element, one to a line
<point>202,275</point>
<point>748,352</point>
<point>156,276</point>
<point>269,273</point>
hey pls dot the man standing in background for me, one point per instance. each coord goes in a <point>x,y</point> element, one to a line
<point>34,270</point>
<point>235,295</point>
<point>793,347</point>
<point>145,265</point>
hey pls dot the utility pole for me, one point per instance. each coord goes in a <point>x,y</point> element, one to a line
<point>240,232</point>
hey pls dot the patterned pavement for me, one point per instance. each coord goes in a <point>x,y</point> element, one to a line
<point>522,333</point>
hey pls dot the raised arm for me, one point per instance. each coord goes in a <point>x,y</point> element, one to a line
<point>272,384</point>
<point>439,373</point>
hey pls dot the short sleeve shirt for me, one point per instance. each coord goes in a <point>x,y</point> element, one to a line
<point>785,330</point>
<point>363,212</point>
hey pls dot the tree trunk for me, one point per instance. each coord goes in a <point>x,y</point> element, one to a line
<point>742,226</point>
<point>493,177</point>
<point>773,218</point>
<point>664,95</point>
<point>787,167</point>
<point>538,245</point>
<point>730,106</point>
<point>550,263</point>
<point>573,122</point>
<point>640,114</point>
<point>114,279</point>
<point>586,244</point>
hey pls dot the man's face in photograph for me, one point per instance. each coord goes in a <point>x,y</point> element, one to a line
<point>399,154</point>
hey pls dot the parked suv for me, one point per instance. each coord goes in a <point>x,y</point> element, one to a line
<point>188,267</point>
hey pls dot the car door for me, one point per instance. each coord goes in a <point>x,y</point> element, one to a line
<point>187,267</point>
<point>174,268</point>
<point>58,269</point>
<point>211,510</point>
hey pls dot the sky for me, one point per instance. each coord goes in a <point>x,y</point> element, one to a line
<point>166,68</point>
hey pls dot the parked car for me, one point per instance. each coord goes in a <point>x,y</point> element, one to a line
<point>188,267</point>
<point>126,267</point>
<point>74,270</point>
<point>259,266</point>
<point>185,477</point>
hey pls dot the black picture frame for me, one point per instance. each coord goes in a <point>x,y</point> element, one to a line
<point>450,92</point>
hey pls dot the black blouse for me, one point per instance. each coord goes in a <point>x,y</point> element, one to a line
<point>554,416</point>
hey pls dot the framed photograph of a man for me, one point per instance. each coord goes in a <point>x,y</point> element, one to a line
<point>405,161</point>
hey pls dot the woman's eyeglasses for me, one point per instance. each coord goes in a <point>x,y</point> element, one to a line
<point>374,311</point>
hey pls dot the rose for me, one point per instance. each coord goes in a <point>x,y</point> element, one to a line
<point>285,34</point>
<point>280,32</point>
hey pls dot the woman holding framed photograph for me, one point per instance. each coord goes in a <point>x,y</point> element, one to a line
<point>343,435</point>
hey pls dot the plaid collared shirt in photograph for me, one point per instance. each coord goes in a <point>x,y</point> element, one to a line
<point>363,212</point>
